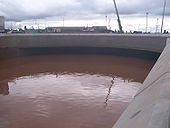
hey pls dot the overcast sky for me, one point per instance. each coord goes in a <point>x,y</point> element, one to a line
<point>83,12</point>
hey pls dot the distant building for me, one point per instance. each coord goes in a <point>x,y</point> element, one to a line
<point>34,30</point>
<point>100,29</point>
<point>94,29</point>
<point>31,30</point>
<point>2,24</point>
<point>64,29</point>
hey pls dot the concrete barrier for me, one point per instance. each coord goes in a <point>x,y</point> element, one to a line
<point>151,105</point>
<point>153,43</point>
<point>12,45</point>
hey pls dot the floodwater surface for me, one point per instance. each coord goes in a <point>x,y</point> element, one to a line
<point>68,91</point>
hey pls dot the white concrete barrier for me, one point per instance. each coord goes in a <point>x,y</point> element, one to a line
<point>154,43</point>
<point>151,105</point>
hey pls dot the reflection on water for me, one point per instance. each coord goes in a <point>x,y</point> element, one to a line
<point>75,91</point>
<point>109,91</point>
<point>77,98</point>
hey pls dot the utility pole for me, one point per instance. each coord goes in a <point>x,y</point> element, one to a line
<point>163,15</point>
<point>11,26</point>
<point>156,29</point>
<point>63,21</point>
<point>109,27</point>
<point>106,13</point>
<point>106,21</point>
<point>138,27</point>
<point>118,18</point>
<point>146,29</point>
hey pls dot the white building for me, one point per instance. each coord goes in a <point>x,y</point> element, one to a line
<point>2,24</point>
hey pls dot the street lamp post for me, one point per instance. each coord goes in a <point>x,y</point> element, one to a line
<point>146,29</point>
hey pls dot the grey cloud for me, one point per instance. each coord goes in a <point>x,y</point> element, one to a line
<point>18,10</point>
<point>152,6</point>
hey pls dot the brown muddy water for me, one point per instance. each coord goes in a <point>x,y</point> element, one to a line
<point>68,91</point>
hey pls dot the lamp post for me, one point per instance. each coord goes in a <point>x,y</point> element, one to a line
<point>146,29</point>
<point>156,29</point>
<point>163,15</point>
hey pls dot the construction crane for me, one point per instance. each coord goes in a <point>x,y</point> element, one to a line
<point>118,18</point>
<point>163,15</point>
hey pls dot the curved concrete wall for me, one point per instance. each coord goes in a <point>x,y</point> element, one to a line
<point>151,106</point>
<point>154,43</point>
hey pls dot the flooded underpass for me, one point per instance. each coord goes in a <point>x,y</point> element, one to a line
<point>61,91</point>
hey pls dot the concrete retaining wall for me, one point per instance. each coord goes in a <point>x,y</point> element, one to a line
<point>154,43</point>
<point>151,106</point>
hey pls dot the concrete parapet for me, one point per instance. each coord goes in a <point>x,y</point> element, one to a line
<point>151,106</point>
<point>154,43</point>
